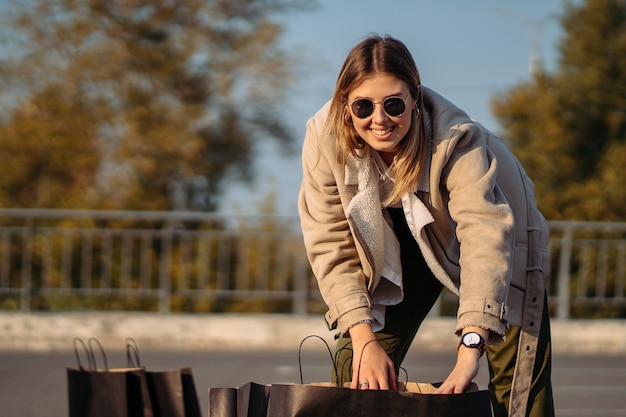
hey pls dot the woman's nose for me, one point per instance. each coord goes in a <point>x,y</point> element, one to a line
<point>379,114</point>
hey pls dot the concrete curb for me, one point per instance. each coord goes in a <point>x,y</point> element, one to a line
<point>55,331</point>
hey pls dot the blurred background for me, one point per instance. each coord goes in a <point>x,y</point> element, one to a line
<point>150,166</point>
<point>150,150</point>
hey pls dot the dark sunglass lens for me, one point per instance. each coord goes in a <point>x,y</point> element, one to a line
<point>362,108</point>
<point>394,106</point>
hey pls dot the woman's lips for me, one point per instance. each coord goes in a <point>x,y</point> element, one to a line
<point>382,132</point>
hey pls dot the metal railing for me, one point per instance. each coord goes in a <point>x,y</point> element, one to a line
<point>188,261</point>
<point>588,268</point>
<point>164,261</point>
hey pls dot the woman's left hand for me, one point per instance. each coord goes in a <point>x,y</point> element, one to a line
<point>465,370</point>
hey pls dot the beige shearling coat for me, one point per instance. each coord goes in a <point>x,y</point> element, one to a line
<point>473,216</point>
<point>472,220</point>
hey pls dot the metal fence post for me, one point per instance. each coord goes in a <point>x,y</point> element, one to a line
<point>165,278</point>
<point>564,275</point>
<point>27,259</point>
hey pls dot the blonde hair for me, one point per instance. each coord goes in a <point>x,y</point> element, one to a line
<point>380,55</point>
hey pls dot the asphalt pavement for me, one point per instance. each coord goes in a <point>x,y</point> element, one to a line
<point>34,384</point>
<point>589,367</point>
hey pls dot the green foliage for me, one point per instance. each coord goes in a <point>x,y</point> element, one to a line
<point>569,128</point>
<point>49,153</point>
<point>137,104</point>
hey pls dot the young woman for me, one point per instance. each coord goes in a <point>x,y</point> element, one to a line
<point>403,194</point>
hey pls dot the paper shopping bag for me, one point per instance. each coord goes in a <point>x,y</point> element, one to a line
<point>172,392</point>
<point>330,401</point>
<point>112,393</point>
<point>132,391</point>
<point>223,402</point>
<point>105,392</point>
<point>325,399</point>
<point>249,400</point>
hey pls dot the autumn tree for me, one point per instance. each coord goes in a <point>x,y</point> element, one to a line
<point>137,104</point>
<point>568,128</point>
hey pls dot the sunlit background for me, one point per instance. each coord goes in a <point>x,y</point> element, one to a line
<point>466,50</point>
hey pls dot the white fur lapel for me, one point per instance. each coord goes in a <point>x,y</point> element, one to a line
<point>364,213</point>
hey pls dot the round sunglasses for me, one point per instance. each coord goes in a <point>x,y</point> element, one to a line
<point>363,108</point>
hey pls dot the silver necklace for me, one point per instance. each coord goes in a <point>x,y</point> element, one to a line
<point>383,175</point>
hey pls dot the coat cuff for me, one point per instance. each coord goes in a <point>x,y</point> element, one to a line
<point>349,311</point>
<point>485,313</point>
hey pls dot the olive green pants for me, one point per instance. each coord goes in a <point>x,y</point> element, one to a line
<point>502,358</point>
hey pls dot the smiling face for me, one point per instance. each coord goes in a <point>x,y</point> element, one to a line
<point>379,130</point>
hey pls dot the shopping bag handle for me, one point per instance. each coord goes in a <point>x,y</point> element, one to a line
<point>406,373</point>
<point>91,341</point>
<point>348,361</point>
<point>132,354</point>
<point>332,360</point>
<point>89,351</point>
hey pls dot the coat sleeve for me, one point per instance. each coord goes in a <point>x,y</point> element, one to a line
<point>327,235</point>
<point>484,229</point>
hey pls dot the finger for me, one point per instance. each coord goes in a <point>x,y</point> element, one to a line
<point>460,386</point>
<point>443,389</point>
<point>383,384</point>
<point>364,385</point>
<point>356,378</point>
<point>393,379</point>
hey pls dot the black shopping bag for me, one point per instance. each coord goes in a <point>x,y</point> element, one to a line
<point>172,392</point>
<point>328,400</point>
<point>128,392</point>
<point>105,392</point>
<point>223,402</point>
<point>249,400</point>
<point>331,401</point>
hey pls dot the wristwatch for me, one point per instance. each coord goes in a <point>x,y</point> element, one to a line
<point>473,340</point>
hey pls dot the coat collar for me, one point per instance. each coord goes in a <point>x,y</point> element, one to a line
<point>364,211</point>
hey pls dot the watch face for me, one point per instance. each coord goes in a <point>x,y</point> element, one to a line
<point>471,339</point>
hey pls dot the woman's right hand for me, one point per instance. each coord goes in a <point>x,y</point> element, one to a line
<point>370,362</point>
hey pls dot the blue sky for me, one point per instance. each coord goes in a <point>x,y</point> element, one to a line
<point>467,50</point>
